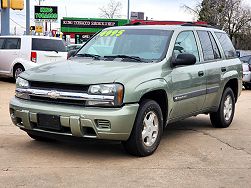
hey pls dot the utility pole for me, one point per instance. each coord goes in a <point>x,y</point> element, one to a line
<point>5,20</point>
<point>128,10</point>
<point>27,17</point>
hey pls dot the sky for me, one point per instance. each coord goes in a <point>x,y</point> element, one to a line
<point>153,9</point>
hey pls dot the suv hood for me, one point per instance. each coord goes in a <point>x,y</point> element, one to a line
<point>85,71</point>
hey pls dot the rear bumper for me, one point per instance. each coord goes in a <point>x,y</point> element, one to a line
<point>246,77</point>
<point>76,120</point>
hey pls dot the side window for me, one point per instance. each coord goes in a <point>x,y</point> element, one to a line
<point>216,50</point>
<point>12,43</point>
<point>186,43</point>
<point>1,43</point>
<point>226,45</point>
<point>209,46</point>
<point>206,45</point>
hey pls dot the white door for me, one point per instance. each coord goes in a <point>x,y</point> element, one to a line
<point>9,52</point>
<point>1,54</point>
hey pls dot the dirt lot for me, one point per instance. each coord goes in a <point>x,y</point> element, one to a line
<point>191,154</point>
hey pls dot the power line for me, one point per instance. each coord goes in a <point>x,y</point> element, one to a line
<point>17,23</point>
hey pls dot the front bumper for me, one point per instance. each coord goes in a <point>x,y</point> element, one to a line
<point>116,123</point>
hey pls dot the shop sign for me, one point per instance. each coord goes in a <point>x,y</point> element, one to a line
<point>88,23</point>
<point>49,13</point>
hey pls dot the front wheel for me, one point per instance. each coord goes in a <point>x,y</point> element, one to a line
<point>224,116</point>
<point>147,130</point>
<point>17,70</point>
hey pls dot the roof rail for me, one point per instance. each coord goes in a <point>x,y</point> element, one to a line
<point>198,25</point>
<point>136,23</point>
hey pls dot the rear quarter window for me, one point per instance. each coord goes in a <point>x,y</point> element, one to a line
<point>226,44</point>
<point>48,45</point>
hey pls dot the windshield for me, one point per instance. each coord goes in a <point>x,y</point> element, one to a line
<point>143,44</point>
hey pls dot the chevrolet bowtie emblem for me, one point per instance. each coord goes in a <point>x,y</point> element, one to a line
<point>53,94</point>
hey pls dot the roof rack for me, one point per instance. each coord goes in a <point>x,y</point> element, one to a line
<point>131,24</point>
<point>198,25</point>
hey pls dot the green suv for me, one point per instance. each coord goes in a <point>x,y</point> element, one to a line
<point>128,83</point>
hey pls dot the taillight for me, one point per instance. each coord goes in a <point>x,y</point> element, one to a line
<point>34,57</point>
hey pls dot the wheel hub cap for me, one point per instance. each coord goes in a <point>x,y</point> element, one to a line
<point>18,71</point>
<point>228,108</point>
<point>150,128</point>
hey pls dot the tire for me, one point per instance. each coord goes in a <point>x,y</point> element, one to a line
<point>39,138</point>
<point>220,119</point>
<point>17,70</point>
<point>145,139</point>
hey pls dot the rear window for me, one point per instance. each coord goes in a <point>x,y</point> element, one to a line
<point>226,45</point>
<point>48,45</point>
<point>246,59</point>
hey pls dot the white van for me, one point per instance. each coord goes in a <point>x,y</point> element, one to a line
<point>19,53</point>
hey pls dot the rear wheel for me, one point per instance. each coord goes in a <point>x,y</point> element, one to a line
<point>148,127</point>
<point>224,116</point>
<point>17,70</point>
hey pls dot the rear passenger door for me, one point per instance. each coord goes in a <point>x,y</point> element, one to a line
<point>188,82</point>
<point>215,66</point>
<point>10,51</point>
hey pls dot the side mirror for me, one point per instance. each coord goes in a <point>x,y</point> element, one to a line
<point>184,59</point>
<point>71,53</point>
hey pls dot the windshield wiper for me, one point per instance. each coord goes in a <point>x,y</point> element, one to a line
<point>88,55</point>
<point>136,58</point>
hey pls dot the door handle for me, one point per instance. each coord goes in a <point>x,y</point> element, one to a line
<point>200,73</point>
<point>223,69</point>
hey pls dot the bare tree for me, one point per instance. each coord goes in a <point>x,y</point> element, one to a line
<point>237,17</point>
<point>229,15</point>
<point>112,10</point>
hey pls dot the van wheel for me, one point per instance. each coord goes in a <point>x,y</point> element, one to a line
<point>224,116</point>
<point>147,130</point>
<point>17,70</point>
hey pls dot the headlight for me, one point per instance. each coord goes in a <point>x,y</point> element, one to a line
<point>114,90</point>
<point>21,84</point>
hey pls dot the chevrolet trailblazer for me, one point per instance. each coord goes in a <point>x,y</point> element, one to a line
<point>128,83</point>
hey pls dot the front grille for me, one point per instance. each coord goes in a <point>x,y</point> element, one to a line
<point>57,101</point>
<point>59,86</point>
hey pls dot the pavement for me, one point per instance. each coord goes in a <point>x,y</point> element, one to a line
<point>191,154</point>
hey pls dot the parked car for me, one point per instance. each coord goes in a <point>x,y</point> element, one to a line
<point>246,65</point>
<point>20,53</point>
<point>128,83</point>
